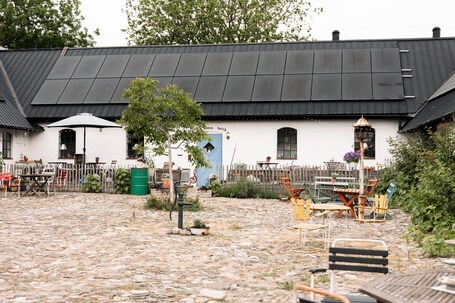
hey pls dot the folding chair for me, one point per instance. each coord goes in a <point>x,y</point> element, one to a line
<point>57,182</point>
<point>302,220</point>
<point>309,192</point>
<point>7,182</point>
<point>292,192</point>
<point>349,258</point>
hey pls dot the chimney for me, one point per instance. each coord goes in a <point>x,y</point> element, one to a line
<point>436,32</point>
<point>335,35</point>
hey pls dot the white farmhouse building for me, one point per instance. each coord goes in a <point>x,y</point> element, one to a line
<point>293,102</point>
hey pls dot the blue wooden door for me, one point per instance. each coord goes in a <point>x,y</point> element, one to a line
<point>213,154</point>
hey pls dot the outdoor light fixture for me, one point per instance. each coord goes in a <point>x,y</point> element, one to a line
<point>362,128</point>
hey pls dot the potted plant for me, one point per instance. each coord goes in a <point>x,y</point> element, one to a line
<point>165,180</point>
<point>352,158</point>
<point>334,178</point>
<point>199,228</point>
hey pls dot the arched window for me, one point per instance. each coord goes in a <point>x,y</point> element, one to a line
<point>131,142</point>
<point>369,143</point>
<point>67,146</point>
<point>287,143</point>
<point>6,145</point>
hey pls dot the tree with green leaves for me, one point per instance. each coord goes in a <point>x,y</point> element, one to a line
<point>164,22</point>
<point>42,24</point>
<point>166,118</point>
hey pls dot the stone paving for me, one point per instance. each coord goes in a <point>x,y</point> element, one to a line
<point>76,247</point>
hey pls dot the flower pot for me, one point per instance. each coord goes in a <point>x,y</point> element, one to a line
<point>352,165</point>
<point>199,231</point>
<point>166,182</point>
<point>333,180</point>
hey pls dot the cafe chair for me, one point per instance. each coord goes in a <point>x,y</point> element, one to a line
<point>10,183</point>
<point>368,191</point>
<point>303,221</point>
<point>57,182</point>
<point>312,291</point>
<point>355,257</point>
<point>292,192</point>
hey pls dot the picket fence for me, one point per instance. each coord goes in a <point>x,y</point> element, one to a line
<point>266,177</point>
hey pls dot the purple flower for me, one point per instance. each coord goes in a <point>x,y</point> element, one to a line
<point>351,156</point>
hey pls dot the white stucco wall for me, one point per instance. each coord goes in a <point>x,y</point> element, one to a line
<point>249,141</point>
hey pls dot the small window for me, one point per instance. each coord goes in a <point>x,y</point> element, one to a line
<point>287,143</point>
<point>131,143</point>
<point>6,145</point>
<point>369,143</point>
<point>67,147</point>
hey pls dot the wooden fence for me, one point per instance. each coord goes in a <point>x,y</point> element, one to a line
<point>267,177</point>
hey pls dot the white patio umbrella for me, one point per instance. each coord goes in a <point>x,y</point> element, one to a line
<point>84,120</point>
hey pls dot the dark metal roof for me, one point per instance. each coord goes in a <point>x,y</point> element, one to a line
<point>11,115</point>
<point>423,65</point>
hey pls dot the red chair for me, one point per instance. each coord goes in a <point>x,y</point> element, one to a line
<point>57,182</point>
<point>7,182</point>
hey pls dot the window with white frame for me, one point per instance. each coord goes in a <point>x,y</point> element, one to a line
<point>287,143</point>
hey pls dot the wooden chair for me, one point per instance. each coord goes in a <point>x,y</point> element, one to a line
<point>57,182</point>
<point>302,220</point>
<point>379,207</point>
<point>313,291</point>
<point>7,182</point>
<point>356,258</point>
<point>368,191</point>
<point>292,192</point>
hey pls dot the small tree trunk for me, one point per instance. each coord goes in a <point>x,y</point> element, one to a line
<point>171,176</point>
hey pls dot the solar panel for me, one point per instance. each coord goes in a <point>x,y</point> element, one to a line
<point>271,63</point>
<point>356,87</point>
<point>75,91</point>
<point>113,66</point>
<point>188,84</point>
<point>238,88</point>
<point>217,64</point>
<point>64,67</point>
<point>49,92</point>
<point>296,87</point>
<point>356,60</point>
<point>267,88</point>
<point>162,81</point>
<point>122,85</point>
<point>385,60</point>
<point>164,65</point>
<point>244,63</point>
<point>88,67</point>
<point>210,89</point>
<point>190,64</point>
<point>327,61</point>
<point>387,86</point>
<point>101,91</point>
<point>299,62</point>
<point>326,87</point>
<point>138,66</point>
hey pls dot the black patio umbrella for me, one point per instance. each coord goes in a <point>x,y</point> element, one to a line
<point>84,120</point>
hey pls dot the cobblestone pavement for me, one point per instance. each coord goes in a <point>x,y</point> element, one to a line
<point>106,248</point>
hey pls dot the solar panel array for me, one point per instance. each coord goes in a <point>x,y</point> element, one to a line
<point>300,75</point>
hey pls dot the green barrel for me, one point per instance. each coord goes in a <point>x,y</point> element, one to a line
<point>139,181</point>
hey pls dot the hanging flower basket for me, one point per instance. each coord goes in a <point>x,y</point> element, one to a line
<point>351,157</point>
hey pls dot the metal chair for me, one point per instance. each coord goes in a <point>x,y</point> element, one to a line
<point>57,182</point>
<point>313,291</point>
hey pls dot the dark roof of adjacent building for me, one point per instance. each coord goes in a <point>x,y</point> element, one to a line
<point>376,78</point>
<point>11,114</point>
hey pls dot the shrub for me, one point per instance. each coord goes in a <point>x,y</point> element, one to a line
<point>242,188</point>
<point>122,183</point>
<point>423,172</point>
<point>92,184</point>
<point>158,203</point>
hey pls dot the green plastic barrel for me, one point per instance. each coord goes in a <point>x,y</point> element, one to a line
<point>139,181</point>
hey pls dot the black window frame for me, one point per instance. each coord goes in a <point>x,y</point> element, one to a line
<point>369,143</point>
<point>7,143</point>
<point>287,143</point>
<point>68,137</point>
<point>131,142</point>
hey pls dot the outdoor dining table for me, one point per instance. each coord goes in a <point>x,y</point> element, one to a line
<point>348,197</point>
<point>331,207</point>
<point>424,287</point>
<point>36,182</point>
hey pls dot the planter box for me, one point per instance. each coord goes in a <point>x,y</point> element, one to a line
<point>199,231</point>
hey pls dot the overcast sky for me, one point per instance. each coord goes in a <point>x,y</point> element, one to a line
<point>355,19</point>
